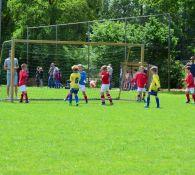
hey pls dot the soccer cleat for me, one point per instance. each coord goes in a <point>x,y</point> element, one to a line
<point>146,107</point>
<point>86,101</point>
<point>77,104</point>
<point>111,103</point>
<point>103,103</point>
<point>188,101</point>
<point>27,101</point>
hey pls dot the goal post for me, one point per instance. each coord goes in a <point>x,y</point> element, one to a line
<point>67,53</point>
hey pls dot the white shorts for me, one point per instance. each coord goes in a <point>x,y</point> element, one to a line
<point>105,87</point>
<point>141,89</point>
<point>82,88</point>
<point>190,90</point>
<point>23,88</point>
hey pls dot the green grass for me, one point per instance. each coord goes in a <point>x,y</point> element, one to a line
<point>53,138</point>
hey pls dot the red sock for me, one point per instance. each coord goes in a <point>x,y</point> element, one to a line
<point>21,98</point>
<point>193,96</point>
<point>26,96</point>
<point>103,98</point>
<point>109,97</point>
<point>188,97</point>
<point>85,96</point>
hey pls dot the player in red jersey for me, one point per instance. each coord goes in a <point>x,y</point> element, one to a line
<point>190,87</point>
<point>141,79</point>
<point>23,76</point>
<point>105,77</point>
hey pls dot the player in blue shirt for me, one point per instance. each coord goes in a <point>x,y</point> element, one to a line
<point>82,81</point>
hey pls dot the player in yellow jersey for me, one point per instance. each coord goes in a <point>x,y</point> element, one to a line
<point>154,87</point>
<point>74,85</point>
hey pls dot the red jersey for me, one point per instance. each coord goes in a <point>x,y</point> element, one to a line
<point>23,76</point>
<point>105,77</point>
<point>189,80</point>
<point>141,79</point>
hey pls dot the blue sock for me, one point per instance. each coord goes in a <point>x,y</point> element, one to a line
<point>148,100</point>
<point>157,102</point>
<point>70,98</point>
<point>76,98</point>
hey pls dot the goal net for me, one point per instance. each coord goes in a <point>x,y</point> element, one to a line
<point>44,84</point>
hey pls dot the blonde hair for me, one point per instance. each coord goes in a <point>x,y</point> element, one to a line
<point>75,68</point>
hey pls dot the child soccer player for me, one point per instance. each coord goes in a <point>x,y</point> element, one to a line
<point>190,88</point>
<point>23,76</point>
<point>105,77</point>
<point>74,84</point>
<point>154,87</point>
<point>82,81</point>
<point>141,81</point>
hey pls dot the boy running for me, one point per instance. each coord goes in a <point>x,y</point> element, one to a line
<point>190,87</point>
<point>105,77</point>
<point>154,87</point>
<point>23,76</point>
<point>82,82</point>
<point>141,81</point>
<point>74,85</point>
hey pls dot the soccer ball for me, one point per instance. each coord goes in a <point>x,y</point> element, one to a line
<point>92,84</point>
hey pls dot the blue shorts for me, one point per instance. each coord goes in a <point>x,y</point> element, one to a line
<point>155,93</point>
<point>74,91</point>
<point>9,79</point>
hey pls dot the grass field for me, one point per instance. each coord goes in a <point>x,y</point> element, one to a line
<point>51,138</point>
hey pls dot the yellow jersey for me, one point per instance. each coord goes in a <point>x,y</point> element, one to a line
<point>155,84</point>
<point>74,80</point>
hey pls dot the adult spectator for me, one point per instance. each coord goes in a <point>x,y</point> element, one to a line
<point>110,71</point>
<point>7,67</point>
<point>39,76</point>
<point>51,83</point>
<point>192,67</point>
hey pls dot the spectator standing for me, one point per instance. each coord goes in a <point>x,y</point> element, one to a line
<point>7,67</point>
<point>51,83</point>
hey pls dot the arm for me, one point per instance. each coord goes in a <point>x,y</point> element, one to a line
<point>157,81</point>
<point>71,78</point>
<point>5,65</point>
<point>17,65</point>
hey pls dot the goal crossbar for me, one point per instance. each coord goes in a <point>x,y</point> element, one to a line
<point>77,43</point>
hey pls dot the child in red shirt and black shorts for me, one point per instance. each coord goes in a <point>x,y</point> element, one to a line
<point>190,87</point>
<point>105,77</point>
<point>23,77</point>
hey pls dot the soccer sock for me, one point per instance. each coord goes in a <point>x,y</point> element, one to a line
<point>148,100</point>
<point>157,102</point>
<point>144,95</point>
<point>138,97</point>
<point>21,98</point>
<point>85,96</point>
<point>70,98</point>
<point>109,97</point>
<point>188,96</point>
<point>26,96</point>
<point>76,98</point>
<point>193,96</point>
<point>103,98</point>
